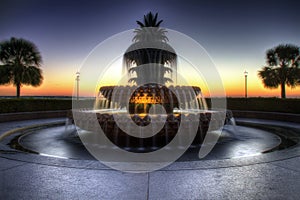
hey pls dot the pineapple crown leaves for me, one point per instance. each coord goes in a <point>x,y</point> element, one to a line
<point>150,21</point>
<point>149,29</point>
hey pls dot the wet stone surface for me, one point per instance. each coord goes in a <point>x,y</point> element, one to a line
<point>274,175</point>
<point>234,142</point>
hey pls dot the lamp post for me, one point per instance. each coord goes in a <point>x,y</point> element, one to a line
<point>246,92</point>
<point>77,80</point>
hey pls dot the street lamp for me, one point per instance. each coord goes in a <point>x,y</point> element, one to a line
<point>77,80</point>
<point>246,74</point>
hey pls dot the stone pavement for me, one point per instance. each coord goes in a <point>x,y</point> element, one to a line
<point>27,176</point>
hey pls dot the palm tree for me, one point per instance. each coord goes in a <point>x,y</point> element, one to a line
<point>282,68</point>
<point>21,62</point>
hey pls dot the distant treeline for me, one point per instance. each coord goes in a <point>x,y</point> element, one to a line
<point>262,104</point>
<point>38,97</point>
<point>251,104</point>
<point>30,105</point>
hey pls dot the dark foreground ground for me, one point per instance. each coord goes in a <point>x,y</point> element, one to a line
<point>27,176</point>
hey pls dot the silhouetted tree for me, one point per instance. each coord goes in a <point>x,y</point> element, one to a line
<point>20,63</point>
<point>282,68</point>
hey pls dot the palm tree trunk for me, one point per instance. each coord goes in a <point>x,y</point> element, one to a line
<point>18,90</point>
<point>283,90</point>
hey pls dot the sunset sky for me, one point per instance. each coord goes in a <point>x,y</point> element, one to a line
<point>236,35</point>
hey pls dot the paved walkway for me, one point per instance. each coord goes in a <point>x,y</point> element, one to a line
<point>27,176</point>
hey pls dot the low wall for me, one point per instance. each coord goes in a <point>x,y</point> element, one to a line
<point>6,117</point>
<point>286,117</point>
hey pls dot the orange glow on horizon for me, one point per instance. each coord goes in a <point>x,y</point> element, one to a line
<point>233,89</point>
<point>62,84</point>
<point>67,90</point>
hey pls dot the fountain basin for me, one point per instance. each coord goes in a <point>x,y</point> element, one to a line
<point>239,142</point>
<point>204,120</point>
<point>9,147</point>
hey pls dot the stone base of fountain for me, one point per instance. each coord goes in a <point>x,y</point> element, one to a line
<point>116,135</point>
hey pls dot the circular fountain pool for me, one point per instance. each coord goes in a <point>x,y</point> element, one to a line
<point>247,139</point>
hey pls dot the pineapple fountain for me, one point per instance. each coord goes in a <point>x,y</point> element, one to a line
<point>144,112</point>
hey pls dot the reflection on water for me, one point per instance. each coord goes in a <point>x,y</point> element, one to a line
<point>235,142</point>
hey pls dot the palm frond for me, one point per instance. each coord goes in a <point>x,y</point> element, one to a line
<point>271,58</point>
<point>32,76</point>
<point>270,77</point>
<point>293,77</point>
<point>5,75</point>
